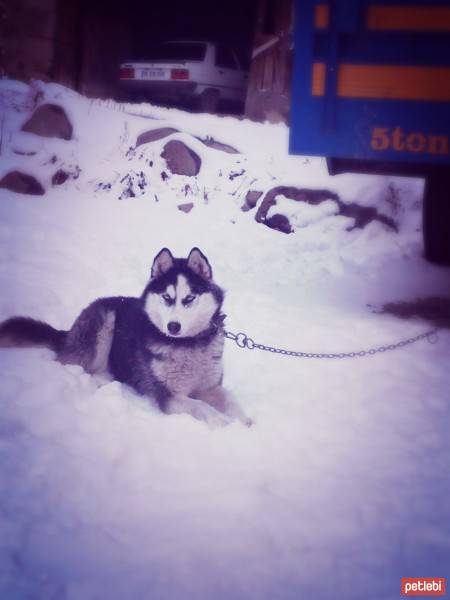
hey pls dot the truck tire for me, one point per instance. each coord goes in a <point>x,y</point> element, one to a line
<point>436,217</point>
<point>209,101</point>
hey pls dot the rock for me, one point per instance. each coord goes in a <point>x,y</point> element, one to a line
<point>187,207</point>
<point>70,172</point>
<point>25,152</point>
<point>297,194</point>
<point>60,177</point>
<point>212,143</point>
<point>362,215</point>
<point>21,183</point>
<point>180,159</point>
<point>154,134</point>
<point>280,223</point>
<point>251,200</point>
<point>49,120</point>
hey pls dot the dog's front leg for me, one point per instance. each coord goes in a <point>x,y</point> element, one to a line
<point>223,401</point>
<point>180,404</point>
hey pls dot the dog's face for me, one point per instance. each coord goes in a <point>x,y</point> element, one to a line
<point>181,299</point>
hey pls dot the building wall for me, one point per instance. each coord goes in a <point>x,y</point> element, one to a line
<point>268,95</point>
<point>27,29</point>
<point>74,42</point>
<point>67,43</point>
<point>105,43</point>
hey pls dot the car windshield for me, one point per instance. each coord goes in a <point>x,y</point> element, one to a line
<point>178,51</point>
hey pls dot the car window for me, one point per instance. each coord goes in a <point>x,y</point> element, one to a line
<point>225,58</point>
<point>178,51</point>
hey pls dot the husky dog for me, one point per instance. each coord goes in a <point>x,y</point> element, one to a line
<point>167,344</point>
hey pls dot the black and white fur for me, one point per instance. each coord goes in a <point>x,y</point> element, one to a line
<point>167,344</point>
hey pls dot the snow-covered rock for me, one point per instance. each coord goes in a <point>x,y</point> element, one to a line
<point>186,207</point>
<point>212,143</point>
<point>288,208</point>
<point>152,135</point>
<point>21,183</point>
<point>180,159</point>
<point>49,120</point>
<point>251,199</point>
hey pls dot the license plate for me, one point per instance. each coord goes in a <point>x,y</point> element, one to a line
<point>153,73</point>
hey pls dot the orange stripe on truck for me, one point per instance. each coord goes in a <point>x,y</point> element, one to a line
<point>385,81</point>
<point>321,16</point>
<point>408,18</point>
<point>395,18</point>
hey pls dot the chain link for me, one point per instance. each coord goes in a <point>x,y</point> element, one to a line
<point>244,341</point>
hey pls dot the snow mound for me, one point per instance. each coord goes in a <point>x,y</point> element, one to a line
<point>127,155</point>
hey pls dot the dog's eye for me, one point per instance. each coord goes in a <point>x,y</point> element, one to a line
<point>188,300</point>
<point>167,299</point>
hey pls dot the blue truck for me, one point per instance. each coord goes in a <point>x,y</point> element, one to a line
<point>371,93</point>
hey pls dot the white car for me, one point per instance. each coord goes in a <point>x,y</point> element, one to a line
<point>182,71</point>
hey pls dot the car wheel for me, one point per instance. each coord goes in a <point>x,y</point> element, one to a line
<point>209,101</point>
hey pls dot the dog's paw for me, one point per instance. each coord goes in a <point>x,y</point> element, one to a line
<point>214,418</point>
<point>199,410</point>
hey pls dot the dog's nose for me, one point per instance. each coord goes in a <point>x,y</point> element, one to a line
<point>174,327</point>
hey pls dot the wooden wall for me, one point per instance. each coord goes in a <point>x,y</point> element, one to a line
<point>268,95</point>
<point>78,43</point>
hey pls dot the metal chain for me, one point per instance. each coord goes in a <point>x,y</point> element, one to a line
<point>244,341</point>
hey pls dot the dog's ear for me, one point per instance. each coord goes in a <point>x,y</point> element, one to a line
<point>162,263</point>
<point>198,262</point>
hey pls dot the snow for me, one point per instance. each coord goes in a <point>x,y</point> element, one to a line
<point>340,488</point>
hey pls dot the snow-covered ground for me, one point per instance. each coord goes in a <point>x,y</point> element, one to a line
<point>340,488</point>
